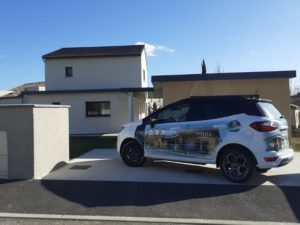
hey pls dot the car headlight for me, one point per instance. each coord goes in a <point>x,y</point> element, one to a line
<point>120,129</point>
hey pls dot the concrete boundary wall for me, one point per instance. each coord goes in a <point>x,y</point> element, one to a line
<point>37,138</point>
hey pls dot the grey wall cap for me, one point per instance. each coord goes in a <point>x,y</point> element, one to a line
<point>17,97</point>
<point>32,106</point>
<point>225,76</point>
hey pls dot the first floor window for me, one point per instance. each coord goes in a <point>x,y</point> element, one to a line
<point>97,109</point>
<point>69,71</point>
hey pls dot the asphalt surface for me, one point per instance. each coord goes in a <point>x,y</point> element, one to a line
<point>146,199</point>
<point>100,184</point>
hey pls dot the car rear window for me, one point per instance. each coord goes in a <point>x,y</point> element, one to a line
<point>269,110</point>
<point>247,107</point>
<point>207,110</point>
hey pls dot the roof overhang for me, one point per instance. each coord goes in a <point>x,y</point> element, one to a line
<point>158,80</point>
<point>225,76</point>
<point>95,52</point>
<point>135,90</point>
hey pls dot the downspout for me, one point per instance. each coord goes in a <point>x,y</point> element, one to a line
<point>130,107</point>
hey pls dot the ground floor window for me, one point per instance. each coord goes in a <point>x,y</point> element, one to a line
<point>97,109</point>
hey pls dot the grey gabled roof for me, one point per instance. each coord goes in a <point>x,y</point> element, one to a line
<point>225,76</point>
<point>88,52</point>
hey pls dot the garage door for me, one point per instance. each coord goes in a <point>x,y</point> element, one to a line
<point>3,155</point>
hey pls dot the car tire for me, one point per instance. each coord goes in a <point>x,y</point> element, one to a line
<point>262,170</point>
<point>133,154</point>
<point>237,165</point>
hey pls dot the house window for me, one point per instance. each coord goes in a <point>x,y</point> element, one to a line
<point>69,71</point>
<point>56,103</point>
<point>144,75</point>
<point>97,109</point>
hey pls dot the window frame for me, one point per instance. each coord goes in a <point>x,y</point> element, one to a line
<point>154,115</point>
<point>98,115</point>
<point>67,72</point>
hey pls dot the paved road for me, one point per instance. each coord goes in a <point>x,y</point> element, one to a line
<point>162,200</point>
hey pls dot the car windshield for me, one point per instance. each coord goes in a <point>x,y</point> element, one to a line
<point>269,110</point>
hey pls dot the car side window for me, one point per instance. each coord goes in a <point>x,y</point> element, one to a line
<point>176,113</point>
<point>207,110</point>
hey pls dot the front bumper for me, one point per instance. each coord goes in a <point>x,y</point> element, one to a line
<point>283,158</point>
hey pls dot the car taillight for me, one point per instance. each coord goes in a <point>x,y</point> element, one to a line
<point>264,126</point>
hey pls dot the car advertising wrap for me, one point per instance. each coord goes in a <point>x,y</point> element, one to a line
<point>180,140</point>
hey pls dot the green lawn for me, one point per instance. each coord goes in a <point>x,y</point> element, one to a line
<point>83,144</point>
<point>296,143</point>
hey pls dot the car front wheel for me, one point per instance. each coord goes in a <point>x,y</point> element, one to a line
<point>133,154</point>
<point>236,165</point>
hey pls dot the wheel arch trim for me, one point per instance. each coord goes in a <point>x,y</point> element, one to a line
<point>234,145</point>
<point>125,141</point>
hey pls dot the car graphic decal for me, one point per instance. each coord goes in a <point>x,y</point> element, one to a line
<point>180,140</point>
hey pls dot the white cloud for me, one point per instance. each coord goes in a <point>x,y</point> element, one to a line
<point>164,48</point>
<point>152,50</point>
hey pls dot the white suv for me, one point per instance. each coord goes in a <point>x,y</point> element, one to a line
<point>236,133</point>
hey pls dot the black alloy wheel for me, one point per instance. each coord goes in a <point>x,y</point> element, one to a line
<point>237,165</point>
<point>133,154</point>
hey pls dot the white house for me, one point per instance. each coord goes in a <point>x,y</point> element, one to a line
<point>105,86</point>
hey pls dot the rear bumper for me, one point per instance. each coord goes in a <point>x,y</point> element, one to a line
<point>281,158</point>
<point>285,161</point>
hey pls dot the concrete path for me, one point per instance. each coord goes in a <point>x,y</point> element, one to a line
<point>106,165</point>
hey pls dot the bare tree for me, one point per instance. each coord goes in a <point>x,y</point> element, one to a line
<point>203,66</point>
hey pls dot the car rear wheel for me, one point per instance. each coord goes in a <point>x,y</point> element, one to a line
<point>133,154</point>
<point>236,165</point>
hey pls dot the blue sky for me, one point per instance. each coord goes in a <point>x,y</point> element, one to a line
<point>256,35</point>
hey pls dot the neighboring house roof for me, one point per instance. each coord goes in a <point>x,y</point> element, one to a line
<point>89,91</point>
<point>225,76</point>
<point>15,92</point>
<point>295,100</point>
<point>294,106</point>
<point>87,52</point>
<point>4,92</point>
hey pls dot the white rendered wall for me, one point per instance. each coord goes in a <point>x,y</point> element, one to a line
<point>144,67</point>
<point>79,123</point>
<point>51,138</point>
<point>10,100</point>
<point>94,73</point>
<point>37,139</point>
